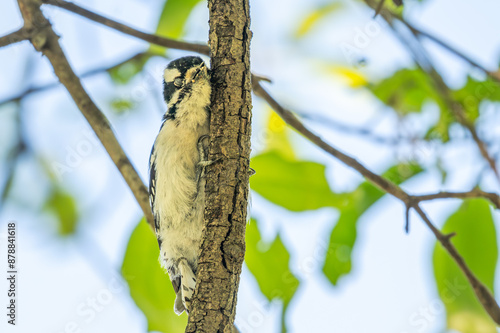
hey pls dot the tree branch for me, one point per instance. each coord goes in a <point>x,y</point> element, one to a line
<point>154,39</point>
<point>475,193</point>
<point>226,192</point>
<point>410,201</point>
<point>14,37</point>
<point>46,41</point>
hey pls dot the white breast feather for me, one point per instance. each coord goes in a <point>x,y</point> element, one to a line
<point>176,156</point>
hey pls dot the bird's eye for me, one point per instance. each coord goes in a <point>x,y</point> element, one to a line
<point>178,82</point>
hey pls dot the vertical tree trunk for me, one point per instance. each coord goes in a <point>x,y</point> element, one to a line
<point>223,245</point>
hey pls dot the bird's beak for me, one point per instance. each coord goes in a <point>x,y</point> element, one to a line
<point>201,69</point>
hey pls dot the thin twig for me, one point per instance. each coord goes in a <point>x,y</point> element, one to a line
<point>14,37</point>
<point>475,193</point>
<point>47,43</point>
<point>352,130</point>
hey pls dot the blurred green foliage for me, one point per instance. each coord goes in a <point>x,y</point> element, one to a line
<point>122,105</point>
<point>268,263</point>
<point>294,185</point>
<point>407,90</point>
<point>356,203</point>
<point>476,241</point>
<point>125,71</point>
<point>149,285</point>
<point>63,206</point>
<point>172,20</point>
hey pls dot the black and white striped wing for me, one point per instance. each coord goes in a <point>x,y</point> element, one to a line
<point>152,188</point>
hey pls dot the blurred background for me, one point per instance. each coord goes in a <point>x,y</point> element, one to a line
<point>326,252</point>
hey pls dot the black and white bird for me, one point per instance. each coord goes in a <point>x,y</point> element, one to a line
<point>176,166</point>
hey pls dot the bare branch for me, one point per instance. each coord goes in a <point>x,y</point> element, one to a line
<point>351,130</point>
<point>47,43</point>
<point>14,37</point>
<point>154,39</point>
<point>475,193</point>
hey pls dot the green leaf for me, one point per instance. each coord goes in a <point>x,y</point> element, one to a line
<point>470,96</point>
<point>476,242</point>
<point>394,6</point>
<point>63,206</point>
<point>269,265</point>
<point>277,138</point>
<point>440,130</point>
<point>124,72</point>
<point>343,236</point>
<point>122,105</point>
<point>312,18</point>
<point>149,285</point>
<point>473,93</point>
<point>172,20</point>
<point>405,91</point>
<point>294,185</point>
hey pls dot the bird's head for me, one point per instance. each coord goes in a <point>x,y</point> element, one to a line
<point>183,78</point>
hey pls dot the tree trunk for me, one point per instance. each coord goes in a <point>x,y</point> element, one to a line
<point>223,245</point>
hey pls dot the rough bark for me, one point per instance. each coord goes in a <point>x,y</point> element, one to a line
<point>223,245</point>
